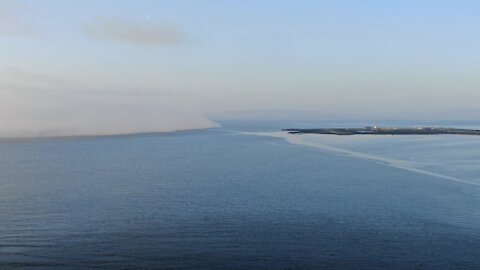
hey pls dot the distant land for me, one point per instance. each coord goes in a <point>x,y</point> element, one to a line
<point>364,117</point>
<point>374,130</point>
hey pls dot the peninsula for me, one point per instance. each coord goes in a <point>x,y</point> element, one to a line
<point>374,130</point>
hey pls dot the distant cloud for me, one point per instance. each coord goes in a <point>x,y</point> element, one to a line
<point>14,19</point>
<point>143,32</point>
<point>15,79</point>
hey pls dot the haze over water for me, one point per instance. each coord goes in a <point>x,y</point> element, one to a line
<point>144,134</point>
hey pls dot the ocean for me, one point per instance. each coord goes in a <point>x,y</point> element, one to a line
<point>243,196</point>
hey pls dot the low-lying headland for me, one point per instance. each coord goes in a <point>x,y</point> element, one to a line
<point>374,130</point>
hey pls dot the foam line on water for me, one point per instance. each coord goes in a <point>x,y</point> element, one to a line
<point>395,163</point>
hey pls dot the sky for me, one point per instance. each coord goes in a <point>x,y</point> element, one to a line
<point>70,67</point>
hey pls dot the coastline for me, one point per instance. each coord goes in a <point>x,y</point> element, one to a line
<point>391,162</point>
<point>375,130</point>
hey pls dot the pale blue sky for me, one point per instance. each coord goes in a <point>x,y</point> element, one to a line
<point>371,58</point>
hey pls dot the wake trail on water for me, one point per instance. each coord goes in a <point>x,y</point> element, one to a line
<point>394,163</point>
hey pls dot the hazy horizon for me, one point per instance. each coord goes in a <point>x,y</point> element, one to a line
<point>248,134</point>
<point>115,67</point>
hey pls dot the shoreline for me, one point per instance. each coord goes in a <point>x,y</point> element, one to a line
<point>374,130</point>
<point>390,162</point>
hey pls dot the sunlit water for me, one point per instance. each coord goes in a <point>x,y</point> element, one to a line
<point>223,199</point>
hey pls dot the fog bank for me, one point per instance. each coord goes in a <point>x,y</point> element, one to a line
<point>36,105</point>
<point>113,122</point>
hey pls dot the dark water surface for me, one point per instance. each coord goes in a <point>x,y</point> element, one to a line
<point>215,199</point>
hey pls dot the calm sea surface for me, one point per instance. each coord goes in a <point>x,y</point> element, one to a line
<point>220,199</point>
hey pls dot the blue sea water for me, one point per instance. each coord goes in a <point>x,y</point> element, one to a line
<point>222,199</point>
